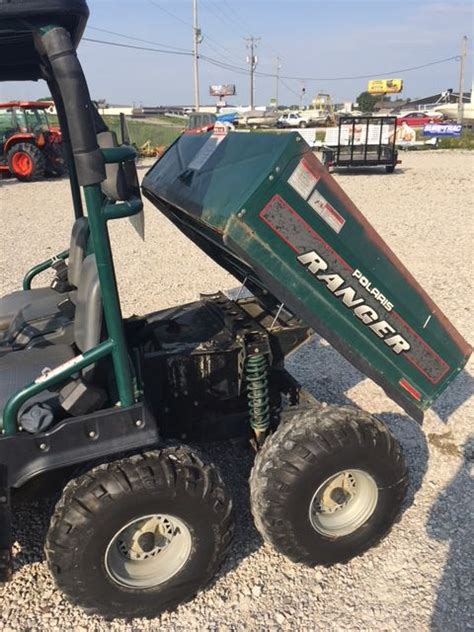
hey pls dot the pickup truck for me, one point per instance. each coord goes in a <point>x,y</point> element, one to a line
<point>306,118</point>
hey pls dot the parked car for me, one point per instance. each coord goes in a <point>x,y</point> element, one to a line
<point>418,118</point>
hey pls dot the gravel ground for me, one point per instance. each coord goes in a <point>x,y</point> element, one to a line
<point>419,577</point>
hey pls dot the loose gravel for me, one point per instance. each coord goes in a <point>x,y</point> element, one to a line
<point>420,577</point>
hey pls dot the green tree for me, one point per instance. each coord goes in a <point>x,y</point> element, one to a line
<point>366,102</point>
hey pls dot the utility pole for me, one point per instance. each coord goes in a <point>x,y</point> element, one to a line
<point>461,78</point>
<point>277,81</point>
<point>197,39</point>
<point>253,61</point>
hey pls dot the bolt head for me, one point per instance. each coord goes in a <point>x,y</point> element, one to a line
<point>92,434</point>
<point>43,446</point>
<point>139,423</point>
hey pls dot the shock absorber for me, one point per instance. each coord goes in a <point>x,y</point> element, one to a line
<point>256,373</point>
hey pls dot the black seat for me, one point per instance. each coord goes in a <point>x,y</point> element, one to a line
<point>12,303</point>
<point>39,305</point>
<point>19,369</point>
<point>39,317</point>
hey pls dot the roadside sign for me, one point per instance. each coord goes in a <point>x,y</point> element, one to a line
<point>442,129</point>
<point>385,86</point>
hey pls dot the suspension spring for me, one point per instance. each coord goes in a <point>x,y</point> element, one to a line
<point>256,373</point>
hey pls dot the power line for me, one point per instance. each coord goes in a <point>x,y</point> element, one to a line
<point>153,50</point>
<point>188,24</point>
<point>233,16</point>
<point>373,74</point>
<point>368,76</point>
<point>176,17</point>
<point>221,16</point>
<point>242,70</point>
<point>136,39</point>
<point>289,88</point>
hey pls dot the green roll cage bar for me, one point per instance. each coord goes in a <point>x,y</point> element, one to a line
<point>81,163</point>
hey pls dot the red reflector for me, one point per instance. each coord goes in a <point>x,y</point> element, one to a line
<point>409,388</point>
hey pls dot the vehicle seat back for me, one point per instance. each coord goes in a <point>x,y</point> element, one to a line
<point>88,317</point>
<point>77,250</point>
<point>122,181</point>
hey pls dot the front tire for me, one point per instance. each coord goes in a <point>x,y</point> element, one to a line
<point>26,162</point>
<point>328,485</point>
<point>140,535</point>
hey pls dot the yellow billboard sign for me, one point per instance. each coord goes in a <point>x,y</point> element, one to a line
<point>385,86</point>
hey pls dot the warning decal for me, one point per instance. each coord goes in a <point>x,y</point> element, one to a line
<point>303,180</point>
<point>326,211</point>
<point>209,147</point>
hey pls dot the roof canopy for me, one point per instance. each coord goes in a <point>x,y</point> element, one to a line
<point>32,105</point>
<point>19,59</point>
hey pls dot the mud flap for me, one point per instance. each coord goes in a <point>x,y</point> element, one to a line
<point>6,565</point>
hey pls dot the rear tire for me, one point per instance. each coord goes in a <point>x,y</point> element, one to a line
<point>140,535</point>
<point>26,162</point>
<point>389,168</point>
<point>55,161</point>
<point>327,485</point>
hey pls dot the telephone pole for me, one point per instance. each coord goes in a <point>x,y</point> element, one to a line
<point>197,39</point>
<point>277,81</point>
<point>461,78</point>
<point>253,61</point>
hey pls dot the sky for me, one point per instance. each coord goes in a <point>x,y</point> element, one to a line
<point>324,40</point>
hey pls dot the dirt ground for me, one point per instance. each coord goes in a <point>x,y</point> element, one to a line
<point>420,577</point>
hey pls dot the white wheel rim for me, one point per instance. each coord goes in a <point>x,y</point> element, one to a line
<point>343,503</point>
<point>148,551</point>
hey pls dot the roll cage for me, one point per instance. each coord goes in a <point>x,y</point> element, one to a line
<point>42,37</point>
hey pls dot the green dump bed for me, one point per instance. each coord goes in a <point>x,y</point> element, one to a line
<point>263,206</point>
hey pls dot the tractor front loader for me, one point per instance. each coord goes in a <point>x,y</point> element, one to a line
<point>143,521</point>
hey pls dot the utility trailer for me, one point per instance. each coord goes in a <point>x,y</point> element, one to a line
<point>362,141</point>
<point>104,404</point>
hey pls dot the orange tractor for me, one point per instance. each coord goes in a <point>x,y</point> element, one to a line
<point>30,148</point>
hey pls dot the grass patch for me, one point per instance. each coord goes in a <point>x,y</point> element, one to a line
<point>142,131</point>
<point>465,141</point>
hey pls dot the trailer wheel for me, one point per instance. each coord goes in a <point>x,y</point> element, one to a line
<point>26,162</point>
<point>328,485</point>
<point>140,535</point>
<point>389,168</point>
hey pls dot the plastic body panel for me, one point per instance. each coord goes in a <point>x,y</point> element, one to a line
<point>268,201</point>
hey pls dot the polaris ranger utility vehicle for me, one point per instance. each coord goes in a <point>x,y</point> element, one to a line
<point>144,522</point>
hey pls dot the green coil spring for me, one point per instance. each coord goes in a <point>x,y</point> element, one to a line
<point>256,373</point>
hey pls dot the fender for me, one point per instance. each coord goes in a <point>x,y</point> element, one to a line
<point>17,138</point>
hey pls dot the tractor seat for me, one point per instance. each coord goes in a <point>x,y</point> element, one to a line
<point>19,369</point>
<point>12,304</point>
